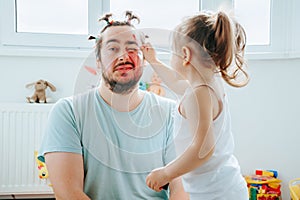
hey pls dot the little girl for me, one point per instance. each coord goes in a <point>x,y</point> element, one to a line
<point>207,48</point>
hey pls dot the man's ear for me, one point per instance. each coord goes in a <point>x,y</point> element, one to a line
<point>186,51</point>
<point>98,64</point>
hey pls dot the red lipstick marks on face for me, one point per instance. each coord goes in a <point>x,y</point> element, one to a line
<point>124,67</point>
<point>124,74</point>
<point>134,37</point>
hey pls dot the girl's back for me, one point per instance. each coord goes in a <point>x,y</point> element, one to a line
<point>221,172</point>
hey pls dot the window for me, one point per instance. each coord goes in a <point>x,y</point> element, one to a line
<point>45,23</point>
<point>158,18</point>
<point>270,24</point>
<point>256,24</point>
<point>254,15</point>
<point>156,13</point>
<point>49,16</point>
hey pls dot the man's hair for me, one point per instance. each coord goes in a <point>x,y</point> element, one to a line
<point>129,17</point>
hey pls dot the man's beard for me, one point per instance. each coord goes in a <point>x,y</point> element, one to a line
<point>121,88</point>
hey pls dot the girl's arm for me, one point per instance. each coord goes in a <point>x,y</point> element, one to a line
<point>177,191</point>
<point>198,110</point>
<point>169,76</point>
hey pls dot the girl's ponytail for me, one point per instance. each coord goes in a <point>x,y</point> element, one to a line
<point>224,41</point>
<point>230,40</point>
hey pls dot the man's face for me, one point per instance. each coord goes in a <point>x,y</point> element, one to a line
<point>121,59</point>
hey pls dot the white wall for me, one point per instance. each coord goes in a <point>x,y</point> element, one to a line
<point>265,119</point>
<point>264,113</point>
<point>17,71</point>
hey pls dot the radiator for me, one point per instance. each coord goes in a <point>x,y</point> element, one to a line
<point>21,131</point>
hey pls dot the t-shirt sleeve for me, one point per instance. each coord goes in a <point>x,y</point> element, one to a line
<point>61,133</point>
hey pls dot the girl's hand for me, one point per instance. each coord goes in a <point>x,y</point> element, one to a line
<point>157,179</point>
<point>149,53</point>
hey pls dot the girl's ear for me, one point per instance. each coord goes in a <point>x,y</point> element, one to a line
<point>186,51</point>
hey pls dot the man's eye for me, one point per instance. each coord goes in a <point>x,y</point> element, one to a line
<point>112,49</point>
<point>132,50</point>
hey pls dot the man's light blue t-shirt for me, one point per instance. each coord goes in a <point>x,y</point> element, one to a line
<point>119,148</point>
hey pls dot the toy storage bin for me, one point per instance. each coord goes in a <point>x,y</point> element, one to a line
<point>294,186</point>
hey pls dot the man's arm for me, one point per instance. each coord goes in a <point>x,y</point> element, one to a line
<point>66,175</point>
<point>176,190</point>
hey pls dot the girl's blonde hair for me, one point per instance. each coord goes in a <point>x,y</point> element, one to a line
<point>221,41</point>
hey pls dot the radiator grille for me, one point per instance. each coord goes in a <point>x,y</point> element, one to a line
<point>21,129</point>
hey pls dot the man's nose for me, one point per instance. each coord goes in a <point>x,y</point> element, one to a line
<point>123,56</point>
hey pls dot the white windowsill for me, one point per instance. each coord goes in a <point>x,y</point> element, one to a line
<point>272,55</point>
<point>44,52</point>
<point>84,52</point>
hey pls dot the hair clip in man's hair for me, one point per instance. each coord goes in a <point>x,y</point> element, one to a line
<point>93,38</point>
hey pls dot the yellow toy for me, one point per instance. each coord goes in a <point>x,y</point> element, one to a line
<point>155,85</point>
<point>257,179</point>
<point>264,187</point>
<point>294,186</point>
<point>43,172</point>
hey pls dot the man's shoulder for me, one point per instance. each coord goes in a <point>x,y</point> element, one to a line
<point>62,108</point>
<point>68,103</point>
<point>63,103</point>
<point>77,102</point>
<point>84,95</point>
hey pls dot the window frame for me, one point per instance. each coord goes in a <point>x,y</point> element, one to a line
<point>284,43</point>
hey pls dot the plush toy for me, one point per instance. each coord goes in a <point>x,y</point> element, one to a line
<point>143,85</point>
<point>43,172</point>
<point>39,95</point>
<point>155,85</point>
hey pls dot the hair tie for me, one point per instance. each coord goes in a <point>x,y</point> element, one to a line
<point>107,18</point>
<point>129,17</point>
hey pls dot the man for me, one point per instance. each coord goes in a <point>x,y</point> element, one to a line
<point>102,144</point>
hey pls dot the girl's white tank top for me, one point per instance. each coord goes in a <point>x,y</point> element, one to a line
<point>219,172</point>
